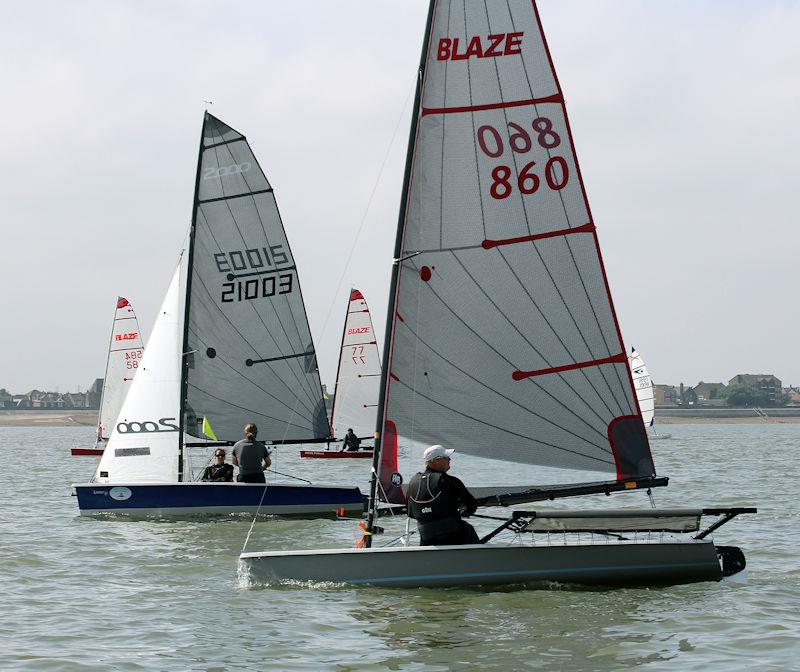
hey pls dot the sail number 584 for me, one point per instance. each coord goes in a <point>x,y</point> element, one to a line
<point>556,171</point>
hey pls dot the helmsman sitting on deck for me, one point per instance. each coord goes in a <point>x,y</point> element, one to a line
<point>436,501</point>
<point>351,441</point>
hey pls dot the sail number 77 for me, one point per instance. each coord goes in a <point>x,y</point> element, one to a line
<point>556,171</point>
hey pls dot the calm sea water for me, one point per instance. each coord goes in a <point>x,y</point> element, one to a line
<point>88,594</point>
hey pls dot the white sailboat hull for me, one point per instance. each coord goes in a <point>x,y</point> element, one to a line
<point>605,563</point>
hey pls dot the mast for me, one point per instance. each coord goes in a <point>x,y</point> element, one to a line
<point>372,512</point>
<point>184,348</point>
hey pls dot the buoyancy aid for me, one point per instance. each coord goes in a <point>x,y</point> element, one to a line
<point>432,506</point>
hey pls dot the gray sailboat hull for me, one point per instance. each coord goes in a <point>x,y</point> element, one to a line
<point>605,563</point>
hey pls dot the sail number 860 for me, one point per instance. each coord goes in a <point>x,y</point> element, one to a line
<point>556,171</point>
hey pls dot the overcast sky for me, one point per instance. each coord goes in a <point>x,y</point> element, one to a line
<point>685,114</point>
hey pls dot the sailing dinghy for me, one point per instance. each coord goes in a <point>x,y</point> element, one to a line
<point>501,336</point>
<point>231,345</point>
<point>125,351</point>
<point>643,384</point>
<point>355,403</point>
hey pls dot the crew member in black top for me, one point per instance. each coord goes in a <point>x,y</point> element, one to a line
<point>220,471</point>
<point>351,441</point>
<point>436,500</point>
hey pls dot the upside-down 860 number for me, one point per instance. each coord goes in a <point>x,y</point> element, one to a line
<point>556,170</point>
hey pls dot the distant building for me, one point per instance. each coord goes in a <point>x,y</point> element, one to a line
<point>765,382</point>
<point>6,399</point>
<point>710,394</point>
<point>49,400</point>
<point>21,401</point>
<point>665,395</point>
<point>95,393</point>
<point>76,400</point>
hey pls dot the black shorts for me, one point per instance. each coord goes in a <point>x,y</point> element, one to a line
<point>251,478</point>
<point>465,535</point>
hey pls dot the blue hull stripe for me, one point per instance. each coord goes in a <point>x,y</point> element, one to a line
<point>225,496</point>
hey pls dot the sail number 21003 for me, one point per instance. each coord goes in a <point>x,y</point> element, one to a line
<point>528,180</point>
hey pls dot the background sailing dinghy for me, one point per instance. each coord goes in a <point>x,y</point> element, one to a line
<point>643,384</point>
<point>502,340</point>
<point>355,402</point>
<point>231,345</point>
<point>125,351</point>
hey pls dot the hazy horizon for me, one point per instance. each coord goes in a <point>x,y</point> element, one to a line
<point>684,121</point>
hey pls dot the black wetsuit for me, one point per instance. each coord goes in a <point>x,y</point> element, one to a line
<point>219,473</point>
<point>434,500</point>
<point>351,443</point>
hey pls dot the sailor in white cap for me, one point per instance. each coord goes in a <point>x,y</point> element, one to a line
<point>436,500</point>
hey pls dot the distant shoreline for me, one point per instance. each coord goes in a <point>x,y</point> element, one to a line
<point>71,417</point>
<point>88,418</point>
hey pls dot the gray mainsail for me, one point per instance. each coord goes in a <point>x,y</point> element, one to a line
<point>502,339</point>
<point>250,353</point>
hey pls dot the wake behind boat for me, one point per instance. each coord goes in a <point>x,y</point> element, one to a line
<point>501,336</point>
<point>231,345</point>
<point>125,351</point>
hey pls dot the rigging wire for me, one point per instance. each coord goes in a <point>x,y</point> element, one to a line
<point>354,244</point>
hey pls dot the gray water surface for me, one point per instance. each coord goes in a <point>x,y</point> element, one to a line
<point>105,594</point>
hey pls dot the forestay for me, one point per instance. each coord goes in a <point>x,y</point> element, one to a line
<point>643,385</point>
<point>144,443</point>
<point>355,404</point>
<point>503,340</point>
<point>124,354</point>
<point>251,357</point>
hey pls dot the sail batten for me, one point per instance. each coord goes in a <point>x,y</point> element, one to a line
<point>503,340</point>
<point>253,355</point>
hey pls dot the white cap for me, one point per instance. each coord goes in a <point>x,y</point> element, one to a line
<point>436,451</point>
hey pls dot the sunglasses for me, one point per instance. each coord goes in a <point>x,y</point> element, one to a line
<point>219,454</point>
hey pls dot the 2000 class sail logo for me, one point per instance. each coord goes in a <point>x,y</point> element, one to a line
<point>147,426</point>
<point>222,171</point>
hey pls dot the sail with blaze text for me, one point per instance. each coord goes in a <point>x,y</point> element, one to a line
<point>355,404</point>
<point>503,341</point>
<point>251,357</point>
<point>124,354</point>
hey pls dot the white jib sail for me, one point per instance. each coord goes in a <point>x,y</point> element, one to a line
<point>124,354</point>
<point>643,385</point>
<point>144,443</point>
<point>355,404</point>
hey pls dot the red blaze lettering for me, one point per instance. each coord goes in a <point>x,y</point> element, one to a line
<point>474,48</point>
<point>499,44</point>
<point>360,330</point>
<point>444,49</point>
<point>126,337</point>
<point>494,41</point>
<point>513,40</point>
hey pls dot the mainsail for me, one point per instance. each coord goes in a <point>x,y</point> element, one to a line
<point>502,339</point>
<point>144,442</point>
<point>250,353</point>
<point>355,404</point>
<point>643,385</point>
<point>124,355</point>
